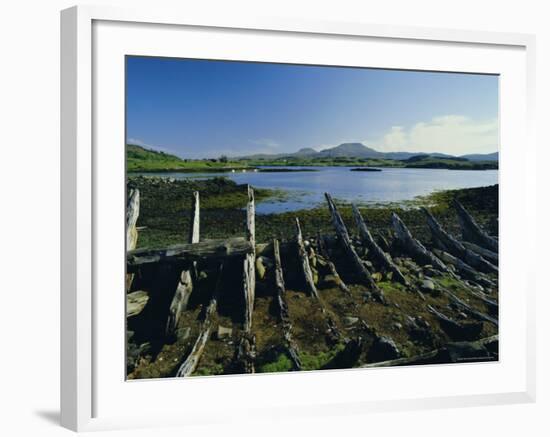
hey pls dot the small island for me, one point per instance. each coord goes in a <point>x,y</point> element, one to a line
<point>285,169</point>
<point>365,169</point>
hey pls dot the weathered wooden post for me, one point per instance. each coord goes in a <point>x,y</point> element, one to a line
<point>413,247</point>
<point>191,362</point>
<point>382,257</point>
<point>132,214</point>
<point>360,269</point>
<point>321,247</point>
<point>249,267</point>
<point>456,248</point>
<point>284,316</point>
<point>185,284</point>
<point>471,231</point>
<point>304,260</point>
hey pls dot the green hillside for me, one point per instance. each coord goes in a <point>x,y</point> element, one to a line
<point>140,159</point>
<point>451,163</point>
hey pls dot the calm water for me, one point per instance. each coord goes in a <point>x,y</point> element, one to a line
<point>307,189</point>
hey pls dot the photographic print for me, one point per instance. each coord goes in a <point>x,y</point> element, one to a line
<point>286,217</point>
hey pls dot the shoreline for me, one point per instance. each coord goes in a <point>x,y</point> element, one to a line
<point>166,206</point>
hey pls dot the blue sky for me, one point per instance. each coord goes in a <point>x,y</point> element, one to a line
<point>201,108</point>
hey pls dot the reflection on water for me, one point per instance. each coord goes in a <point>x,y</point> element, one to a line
<point>306,189</point>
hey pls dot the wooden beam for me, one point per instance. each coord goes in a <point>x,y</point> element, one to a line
<point>291,347</point>
<point>415,248</point>
<point>192,361</point>
<point>324,253</point>
<point>304,260</point>
<point>187,253</point>
<point>468,309</point>
<point>246,353</point>
<point>249,267</point>
<point>194,236</point>
<point>442,355</point>
<point>490,256</point>
<point>381,257</point>
<point>457,331</point>
<point>359,267</point>
<point>135,302</point>
<point>464,270</point>
<point>471,231</point>
<point>132,214</point>
<point>456,248</point>
<point>185,284</point>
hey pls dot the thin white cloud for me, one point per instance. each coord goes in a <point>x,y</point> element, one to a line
<point>137,142</point>
<point>453,134</point>
<point>267,143</point>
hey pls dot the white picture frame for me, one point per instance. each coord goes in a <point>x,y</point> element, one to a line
<point>87,401</point>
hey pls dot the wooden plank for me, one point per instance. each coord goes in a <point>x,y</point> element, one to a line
<point>490,256</point>
<point>381,257</point>
<point>468,309</point>
<point>464,270</point>
<point>246,353</point>
<point>132,214</point>
<point>249,267</point>
<point>135,302</point>
<point>304,261</point>
<point>292,348</point>
<point>195,219</point>
<point>456,248</point>
<point>190,252</point>
<point>472,232</point>
<point>322,248</point>
<point>185,284</point>
<point>455,330</point>
<point>360,268</point>
<point>192,361</point>
<point>415,248</point>
<point>434,355</point>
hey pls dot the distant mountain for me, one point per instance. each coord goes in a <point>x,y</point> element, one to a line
<point>306,151</point>
<point>482,157</point>
<point>355,150</point>
<point>359,150</point>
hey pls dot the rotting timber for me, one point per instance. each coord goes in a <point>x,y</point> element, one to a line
<point>351,298</point>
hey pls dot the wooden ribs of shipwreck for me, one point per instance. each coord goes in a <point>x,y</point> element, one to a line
<point>283,309</point>
<point>304,261</point>
<point>249,266</point>
<point>246,350</point>
<point>484,349</point>
<point>191,362</point>
<point>310,283</point>
<point>472,232</point>
<point>344,238</point>
<point>472,260</point>
<point>322,249</point>
<point>456,248</point>
<point>188,253</point>
<point>185,283</point>
<point>413,247</point>
<point>381,257</point>
<point>132,214</point>
<point>464,269</point>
